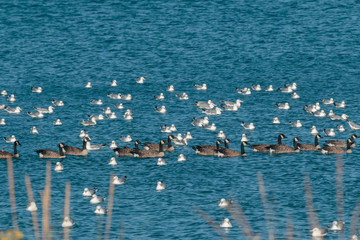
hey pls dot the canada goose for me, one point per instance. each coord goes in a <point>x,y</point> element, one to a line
<point>126,151</point>
<point>69,150</point>
<point>142,153</point>
<point>207,150</point>
<point>282,148</point>
<point>263,147</point>
<point>337,150</point>
<point>310,147</point>
<point>339,143</point>
<point>52,154</point>
<point>4,154</point>
<point>154,146</point>
<point>226,152</point>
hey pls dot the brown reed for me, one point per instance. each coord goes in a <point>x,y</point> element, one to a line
<point>46,199</point>
<point>67,208</point>
<point>110,208</point>
<point>12,193</point>
<point>33,213</point>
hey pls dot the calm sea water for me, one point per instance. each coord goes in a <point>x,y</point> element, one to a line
<point>228,45</point>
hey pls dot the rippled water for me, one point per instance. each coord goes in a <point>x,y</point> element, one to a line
<point>228,45</point>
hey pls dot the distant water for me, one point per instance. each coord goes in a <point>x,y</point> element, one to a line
<point>60,46</point>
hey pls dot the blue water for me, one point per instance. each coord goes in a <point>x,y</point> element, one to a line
<point>61,46</point>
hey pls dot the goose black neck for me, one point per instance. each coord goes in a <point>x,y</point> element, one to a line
<point>61,151</point>
<point>217,146</point>
<point>136,146</point>
<point>84,145</point>
<point>226,144</point>
<point>15,148</point>
<point>295,144</point>
<point>242,149</point>
<point>316,141</point>
<point>348,145</point>
<point>161,148</point>
<point>169,142</point>
<point>279,139</point>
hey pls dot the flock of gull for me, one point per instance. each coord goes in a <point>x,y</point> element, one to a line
<point>160,148</point>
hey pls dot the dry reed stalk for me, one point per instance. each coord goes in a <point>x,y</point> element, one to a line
<point>33,213</point>
<point>212,223</point>
<point>312,217</point>
<point>110,208</point>
<point>339,188</point>
<point>266,210</point>
<point>46,199</point>
<point>289,230</point>
<point>355,218</point>
<point>239,216</point>
<point>12,193</point>
<point>67,208</point>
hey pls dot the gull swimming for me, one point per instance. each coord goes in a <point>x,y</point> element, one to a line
<point>159,97</point>
<point>3,92</point>
<point>126,138</point>
<point>97,102</point>
<point>269,88</point>
<point>294,95</point>
<point>343,117</point>
<point>10,139</point>
<point>200,122</point>
<point>107,110</point>
<point>113,83</point>
<point>45,110</point>
<point>293,86</point>
<point>331,113</point>
<point>170,88</point>
<point>100,210</point>
<point>36,89</point>
<point>119,181</point>
<point>35,114</point>
<point>337,226</point>
<point>319,232</point>
<point>161,109</point>
<point>286,89</point>
<point>200,87</point>
<point>88,85</point>
<point>329,132</point>
<point>229,108</point>
<point>161,162</point>
<point>57,122</point>
<point>126,97</point>
<point>284,106</point>
<point>205,105</point>
<point>96,199</point>
<point>248,126</point>
<point>320,113</point>
<point>98,117</point>
<point>11,98</point>
<point>296,124</point>
<point>89,192</point>
<point>224,203</point>
<point>182,96</point>
<point>112,161</point>
<point>57,103</point>
<point>160,186</point>
<point>91,122</point>
<point>111,115</point>
<point>11,110</point>
<point>119,106</point>
<point>215,111</point>
<point>94,147</point>
<point>244,138</point>
<point>34,130</point>
<point>188,136</point>
<point>2,122</point>
<point>328,101</point>
<point>256,87</point>
<point>68,222</point>
<point>181,158</point>
<point>340,104</point>
<point>179,140</point>
<point>140,80</point>
<point>221,135</point>
<point>237,103</point>
<point>210,127</point>
<point>353,125</point>
<point>127,116</point>
<point>313,131</point>
<point>113,145</point>
<point>225,223</point>
<point>59,167</point>
<point>340,128</point>
<point>276,120</point>
<point>244,91</point>
<point>31,207</point>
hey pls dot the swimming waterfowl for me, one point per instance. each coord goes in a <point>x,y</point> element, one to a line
<point>128,116</point>
<point>244,138</point>
<point>2,106</point>
<point>188,136</point>
<point>114,96</point>
<point>353,125</point>
<point>256,87</point>
<point>207,150</point>
<point>337,150</point>
<point>126,97</point>
<point>2,122</point>
<point>340,128</point>
<point>113,145</point>
<point>113,83</point>
<point>179,140</point>
<point>286,89</point>
<point>210,127</point>
<point>52,154</point>
<point>229,108</point>
<point>88,85</point>
<point>31,207</point>
<point>11,110</point>
<point>339,143</point>
<point>140,80</point>
<point>296,124</point>
<point>34,130</point>
<point>45,110</point>
<point>320,113</point>
<point>111,115</point>
<point>343,117</point>
<point>276,120</point>
<point>248,126</point>
<point>35,114</point>
<point>10,139</point>
<point>161,162</point>
<point>200,87</point>
<point>69,150</point>
<point>159,97</point>
<point>310,147</point>
<point>59,167</point>
<point>97,102</point>
<point>331,113</point>
<point>36,89</point>
<point>3,92</point>
<point>100,210</point>
<point>225,223</point>
<point>161,109</point>
<point>11,98</point>
<point>119,181</point>
<point>89,192</point>
<point>293,86</point>
<point>319,232</point>
<point>119,106</point>
<point>126,138</point>
<point>337,226</point>
<point>90,122</point>
<point>269,88</point>
<point>126,151</point>
<point>294,95</point>
<point>97,117</point>
<point>225,203</point>
<point>112,161</point>
<point>243,91</point>
<point>4,154</point>
<point>170,88</point>
<point>221,135</point>
<point>328,101</point>
<point>57,122</point>
<point>182,96</point>
<point>155,146</point>
<point>283,106</point>
<point>91,147</point>
<point>205,105</point>
<point>200,122</point>
<point>96,199</point>
<point>57,103</point>
<point>264,147</point>
<point>313,130</point>
<point>282,148</point>
<point>68,222</point>
<point>181,158</point>
<point>160,186</point>
<point>142,153</point>
<point>226,152</point>
<point>107,110</point>
<point>329,132</point>
<point>341,104</point>
<point>311,108</point>
<point>237,103</point>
